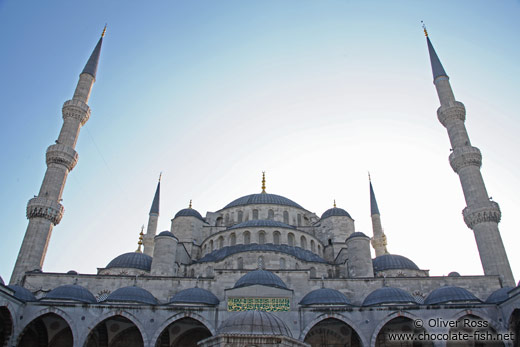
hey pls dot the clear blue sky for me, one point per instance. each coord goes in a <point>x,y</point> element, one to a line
<point>211,93</point>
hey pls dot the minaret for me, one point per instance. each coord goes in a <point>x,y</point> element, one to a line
<point>153,218</point>
<point>379,239</point>
<point>481,214</point>
<point>45,210</point>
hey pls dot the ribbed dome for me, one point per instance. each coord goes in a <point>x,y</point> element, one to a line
<point>388,295</point>
<point>325,296</point>
<point>71,292</point>
<point>195,296</point>
<point>254,323</point>
<point>393,261</point>
<point>335,211</point>
<point>261,277</point>
<point>448,294</point>
<point>261,223</point>
<point>132,294</point>
<point>189,212</point>
<point>22,293</point>
<point>357,234</point>
<point>166,233</point>
<point>132,260</point>
<point>262,198</point>
<point>499,295</point>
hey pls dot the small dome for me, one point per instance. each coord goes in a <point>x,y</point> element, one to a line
<point>262,198</point>
<point>132,294</point>
<point>448,294</point>
<point>261,277</point>
<point>454,274</point>
<point>393,261</point>
<point>254,323</point>
<point>132,260</point>
<point>166,233</point>
<point>325,296</point>
<point>189,212</point>
<point>388,295</point>
<point>357,234</point>
<point>261,223</point>
<point>22,293</point>
<point>71,292</point>
<point>72,272</point>
<point>336,212</point>
<point>195,296</point>
<point>499,295</point>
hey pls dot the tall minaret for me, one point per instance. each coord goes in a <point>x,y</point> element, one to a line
<point>481,215</point>
<point>45,210</point>
<point>379,238</point>
<point>152,222</point>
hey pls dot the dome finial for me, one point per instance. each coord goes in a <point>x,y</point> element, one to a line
<point>424,28</point>
<point>160,176</point>
<point>334,203</point>
<point>104,30</point>
<point>190,204</point>
<point>140,242</point>
<point>263,181</point>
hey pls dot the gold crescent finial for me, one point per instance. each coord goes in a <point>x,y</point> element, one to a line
<point>334,203</point>
<point>160,176</point>
<point>104,31</point>
<point>140,242</point>
<point>263,181</point>
<point>424,28</point>
<point>190,204</point>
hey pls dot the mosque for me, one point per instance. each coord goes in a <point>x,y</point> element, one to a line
<point>261,270</point>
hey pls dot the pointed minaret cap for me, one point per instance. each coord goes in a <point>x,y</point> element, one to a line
<point>373,203</point>
<point>437,68</point>
<point>92,63</point>
<point>155,204</point>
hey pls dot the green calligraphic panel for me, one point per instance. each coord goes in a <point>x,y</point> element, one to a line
<point>258,304</point>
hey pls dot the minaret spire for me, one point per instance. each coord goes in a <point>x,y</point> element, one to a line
<point>45,210</point>
<point>379,239</point>
<point>153,219</point>
<point>481,215</point>
<point>263,182</point>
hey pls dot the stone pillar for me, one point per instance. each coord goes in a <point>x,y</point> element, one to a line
<point>359,260</point>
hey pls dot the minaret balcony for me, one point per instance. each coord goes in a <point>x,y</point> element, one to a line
<point>45,208</point>
<point>465,156</point>
<point>61,154</point>
<point>455,112</point>
<point>488,211</point>
<point>76,109</point>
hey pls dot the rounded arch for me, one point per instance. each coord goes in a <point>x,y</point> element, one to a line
<point>479,314</point>
<point>37,330</point>
<point>178,317</point>
<point>261,237</point>
<point>325,316</point>
<point>6,325</point>
<point>114,313</point>
<point>276,237</point>
<point>394,315</point>
<point>514,325</point>
<point>50,310</point>
<point>473,322</point>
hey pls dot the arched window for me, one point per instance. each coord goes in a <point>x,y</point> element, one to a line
<point>290,239</point>
<point>220,242</point>
<point>261,237</point>
<point>297,266</point>
<point>261,264</point>
<point>227,219</point>
<point>313,246</point>
<point>204,249</point>
<point>211,246</point>
<point>232,239</point>
<point>312,272</point>
<point>240,263</point>
<point>303,242</point>
<point>255,214</point>
<point>299,219</point>
<point>270,214</point>
<point>220,222</point>
<point>240,216</point>
<point>319,250</point>
<point>247,237</point>
<point>276,237</point>
<point>282,263</point>
<point>286,217</point>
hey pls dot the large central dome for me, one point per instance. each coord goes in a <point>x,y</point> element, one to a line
<point>262,198</point>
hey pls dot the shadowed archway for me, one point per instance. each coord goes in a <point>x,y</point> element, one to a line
<point>478,328</point>
<point>6,326</point>
<point>400,331</point>
<point>185,332</point>
<point>115,331</point>
<point>514,327</point>
<point>334,333</point>
<point>49,330</point>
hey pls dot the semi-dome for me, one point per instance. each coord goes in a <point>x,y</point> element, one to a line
<point>132,294</point>
<point>254,323</point>
<point>448,294</point>
<point>166,233</point>
<point>325,296</point>
<point>189,212</point>
<point>389,295</point>
<point>72,292</point>
<point>195,296</point>
<point>393,261</point>
<point>262,198</point>
<point>261,277</point>
<point>357,234</point>
<point>22,293</point>
<point>132,260</point>
<point>261,223</point>
<point>297,252</point>
<point>499,295</point>
<point>335,211</point>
